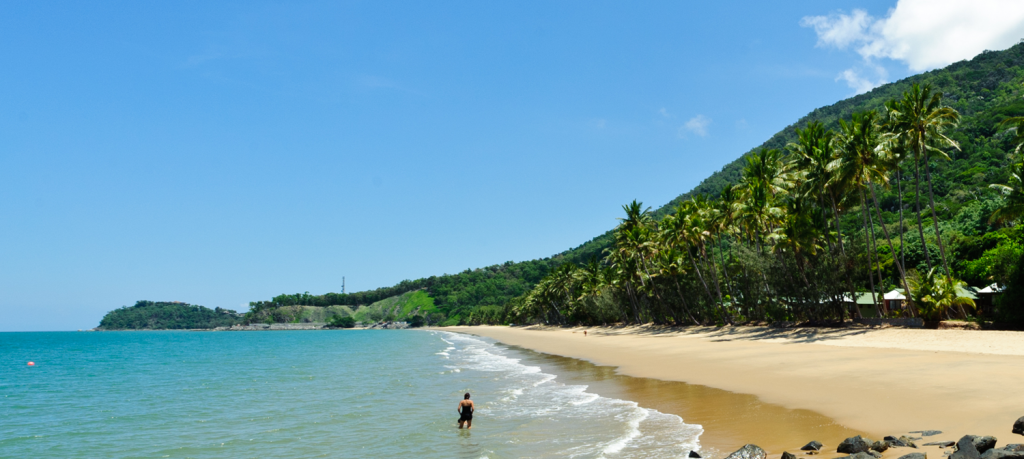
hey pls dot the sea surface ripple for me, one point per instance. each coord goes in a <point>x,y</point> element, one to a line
<point>346,393</point>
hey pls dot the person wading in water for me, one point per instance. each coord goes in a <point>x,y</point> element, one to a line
<point>465,411</point>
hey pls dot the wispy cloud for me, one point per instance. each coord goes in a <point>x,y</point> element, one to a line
<point>861,84</point>
<point>696,125</point>
<point>664,112</point>
<point>923,34</point>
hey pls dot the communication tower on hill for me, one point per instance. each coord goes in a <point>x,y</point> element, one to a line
<point>342,284</point>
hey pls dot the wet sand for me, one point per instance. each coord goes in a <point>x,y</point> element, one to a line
<point>780,389</point>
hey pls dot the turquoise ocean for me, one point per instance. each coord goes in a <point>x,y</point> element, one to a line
<point>300,394</point>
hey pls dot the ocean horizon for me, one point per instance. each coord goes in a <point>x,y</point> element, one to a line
<point>345,393</point>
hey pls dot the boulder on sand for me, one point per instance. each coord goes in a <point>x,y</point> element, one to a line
<point>1002,454</point>
<point>854,445</point>
<point>983,444</point>
<point>1006,452</point>
<point>914,456</point>
<point>880,446</point>
<point>694,454</point>
<point>864,455</point>
<point>812,446</point>
<point>1018,427</point>
<point>965,449</point>
<point>788,455</point>
<point>748,452</point>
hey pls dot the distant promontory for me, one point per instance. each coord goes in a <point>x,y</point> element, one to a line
<point>168,315</point>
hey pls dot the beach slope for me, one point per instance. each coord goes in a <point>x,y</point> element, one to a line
<point>877,381</point>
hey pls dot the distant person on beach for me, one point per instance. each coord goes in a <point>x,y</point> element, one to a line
<point>584,333</point>
<point>465,411</point>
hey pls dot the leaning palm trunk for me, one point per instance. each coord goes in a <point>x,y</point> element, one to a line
<point>935,218</point>
<point>682,298</point>
<point>895,259</point>
<point>725,272</point>
<point>707,289</point>
<point>714,273</point>
<point>867,239</point>
<point>920,226</point>
<point>899,190</point>
<point>839,231</point>
<point>632,301</point>
<point>874,250</point>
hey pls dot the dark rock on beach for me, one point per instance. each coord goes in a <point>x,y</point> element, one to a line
<point>880,446</point>
<point>927,433</point>
<point>1003,453</point>
<point>748,452</point>
<point>694,454</point>
<point>854,445</point>
<point>812,446</point>
<point>942,444</point>
<point>914,456</point>
<point>983,444</point>
<point>787,455</point>
<point>864,455</point>
<point>907,441</point>
<point>1018,427</point>
<point>965,449</point>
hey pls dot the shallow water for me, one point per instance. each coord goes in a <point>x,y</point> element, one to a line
<point>365,393</point>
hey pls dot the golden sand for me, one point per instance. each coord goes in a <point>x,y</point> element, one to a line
<point>780,389</point>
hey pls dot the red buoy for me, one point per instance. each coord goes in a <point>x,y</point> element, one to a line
<point>31,364</point>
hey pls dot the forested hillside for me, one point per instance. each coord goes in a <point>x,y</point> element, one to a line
<point>159,315</point>
<point>983,92</point>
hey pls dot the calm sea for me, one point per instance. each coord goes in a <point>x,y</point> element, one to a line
<point>346,393</point>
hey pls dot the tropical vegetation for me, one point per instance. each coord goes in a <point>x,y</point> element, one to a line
<point>913,186</point>
<point>160,315</point>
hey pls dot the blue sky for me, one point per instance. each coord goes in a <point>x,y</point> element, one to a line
<point>224,152</point>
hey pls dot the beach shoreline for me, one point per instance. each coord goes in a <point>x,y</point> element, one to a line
<point>873,382</point>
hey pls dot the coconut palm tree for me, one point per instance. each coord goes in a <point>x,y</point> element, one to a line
<point>813,152</point>
<point>919,121</point>
<point>1013,209</point>
<point>863,165</point>
<point>939,294</point>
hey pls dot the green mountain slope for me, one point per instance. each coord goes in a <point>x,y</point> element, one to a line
<point>985,90</point>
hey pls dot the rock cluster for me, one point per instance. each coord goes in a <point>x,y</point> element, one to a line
<point>748,452</point>
<point>968,447</point>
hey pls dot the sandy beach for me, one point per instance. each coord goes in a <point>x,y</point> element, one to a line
<point>780,388</point>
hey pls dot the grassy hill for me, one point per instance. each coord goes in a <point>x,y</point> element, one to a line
<point>984,90</point>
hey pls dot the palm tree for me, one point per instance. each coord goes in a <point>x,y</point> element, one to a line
<point>863,166</point>
<point>919,121</point>
<point>813,152</point>
<point>938,294</point>
<point>1013,209</point>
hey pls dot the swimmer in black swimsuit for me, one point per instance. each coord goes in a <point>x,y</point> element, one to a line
<point>465,411</point>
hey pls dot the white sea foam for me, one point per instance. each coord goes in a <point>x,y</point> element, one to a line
<point>574,422</point>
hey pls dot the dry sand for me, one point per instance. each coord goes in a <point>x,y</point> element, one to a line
<point>780,388</point>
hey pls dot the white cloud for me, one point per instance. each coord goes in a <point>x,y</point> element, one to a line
<point>697,125</point>
<point>664,112</point>
<point>839,30</point>
<point>923,34</point>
